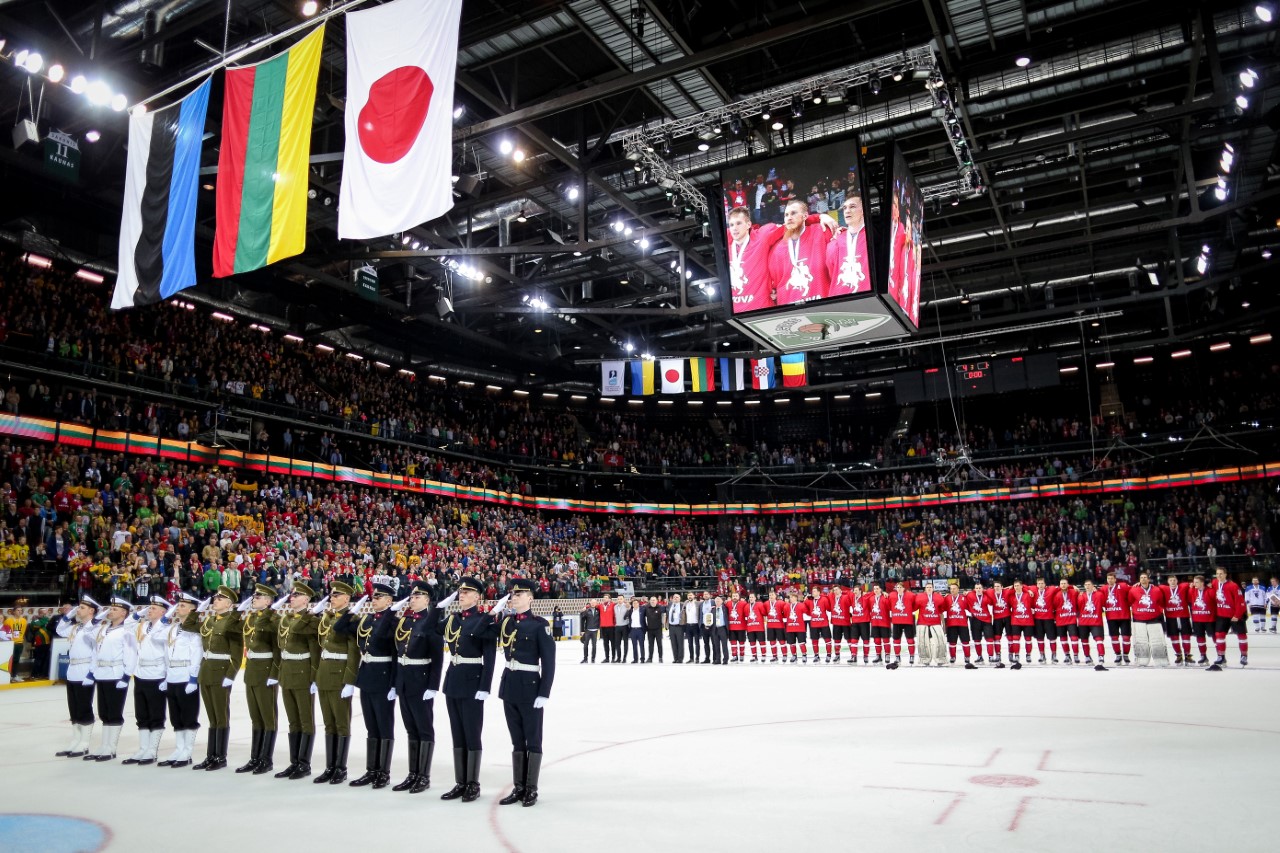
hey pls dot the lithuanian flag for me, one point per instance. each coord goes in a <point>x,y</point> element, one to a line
<point>263,162</point>
<point>703,371</point>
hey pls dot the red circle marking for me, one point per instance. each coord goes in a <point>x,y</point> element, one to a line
<point>671,375</point>
<point>998,780</point>
<point>392,117</point>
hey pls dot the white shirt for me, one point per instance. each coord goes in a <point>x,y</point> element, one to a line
<point>82,647</point>
<point>116,651</point>
<point>152,649</point>
<point>185,652</point>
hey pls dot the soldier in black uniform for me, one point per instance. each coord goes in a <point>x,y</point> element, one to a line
<point>419,662</point>
<point>375,680</point>
<point>526,685</point>
<point>470,635</point>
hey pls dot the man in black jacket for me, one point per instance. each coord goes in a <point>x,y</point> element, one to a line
<point>675,628</point>
<point>591,631</point>
<point>653,617</point>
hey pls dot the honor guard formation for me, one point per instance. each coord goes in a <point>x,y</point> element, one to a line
<point>181,656</point>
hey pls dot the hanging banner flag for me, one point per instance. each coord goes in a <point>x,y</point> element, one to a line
<point>264,161</point>
<point>794,370</point>
<point>642,377</point>
<point>702,374</point>
<point>158,224</point>
<point>731,374</point>
<point>611,379</point>
<point>672,376</point>
<point>398,164</point>
<point>763,374</point>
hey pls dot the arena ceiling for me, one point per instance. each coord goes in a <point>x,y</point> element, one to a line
<point>1097,161</point>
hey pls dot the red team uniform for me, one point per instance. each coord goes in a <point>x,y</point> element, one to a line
<point>1229,608</point>
<point>902,621</point>
<point>798,268</point>
<point>847,269</point>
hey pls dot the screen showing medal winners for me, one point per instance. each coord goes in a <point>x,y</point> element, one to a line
<point>906,238</point>
<point>796,228</point>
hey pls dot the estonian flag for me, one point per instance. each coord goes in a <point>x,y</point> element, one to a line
<point>158,226</point>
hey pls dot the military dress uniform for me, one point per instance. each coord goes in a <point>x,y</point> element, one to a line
<point>339,660</point>
<point>222,636</point>
<point>375,679</point>
<point>299,645</point>
<point>79,677</point>
<point>115,657</point>
<point>470,636</point>
<point>150,684</point>
<point>184,652</point>
<point>419,664</point>
<point>261,683</point>
<point>530,652</point>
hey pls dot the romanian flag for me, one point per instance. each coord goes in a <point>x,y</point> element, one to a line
<point>642,377</point>
<point>263,163</point>
<point>794,374</point>
<point>703,373</point>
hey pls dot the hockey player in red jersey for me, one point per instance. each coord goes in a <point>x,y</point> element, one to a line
<point>1146,603</point>
<point>958,626</point>
<point>1204,617</point>
<point>879,607</point>
<point>860,604</point>
<point>999,619</point>
<point>978,604</point>
<point>1230,611</point>
<point>1064,622</point>
<point>1177,619</point>
<point>902,621</point>
<point>1116,608</point>
<point>756,611</point>
<point>1043,605</point>
<point>1089,623</point>
<point>736,609</point>
<point>796,630</point>
<point>838,602</point>
<point>932,639</point>
<point>775,620</point>
<point>817,614</point>
<point>1021,623</point>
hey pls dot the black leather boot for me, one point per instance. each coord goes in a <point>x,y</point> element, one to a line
<point>413,768</point>
<point>266,754</point>
<point>209,750</point>
<point>426,749</point>
<point>370,763</point>
<point>255,745</point>
<point>459,775</point>
<point>342,746</point>
<point>384,763</point>
<point>517,779</point>
<point>306,741</point>
<point>221,737</point>
<point>532,770</point>
<point>294,738</point>
<point>330,748</point>
<point>472,792</point>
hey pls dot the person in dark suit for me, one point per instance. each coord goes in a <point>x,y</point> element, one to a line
<point>675,628</point>
<point>590,629</point>
<point>653,620</point>
<point>530,669</point>
<point>419,663</point>
<point>719,632</point>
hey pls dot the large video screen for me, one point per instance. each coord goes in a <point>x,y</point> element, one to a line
<point>906,238</point>
<point>796,228</point>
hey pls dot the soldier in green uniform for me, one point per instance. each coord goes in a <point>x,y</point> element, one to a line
<point>299,657</point>
<point>261,678</point>
<point>222,638</point>
<point>336,679</point>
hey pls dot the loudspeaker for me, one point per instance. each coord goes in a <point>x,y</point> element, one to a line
<point>444,307</point>
<point>25,131</point>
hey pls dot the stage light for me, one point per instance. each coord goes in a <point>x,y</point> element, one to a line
<point>458,112</point>
<point>98,93</point>
<point>1264,12</point>
<point>1022,61</point>
<point>309,8</point>
<point>79,84</point>
<point>702,146</point>
<point>817,96</point>
<point>778,125</point>
<point>666,145</point>
<point>505,147</point>
<point>518,155</point>
<point>1242,102</point>
<point>92,136</point>
<point>56,73</point>
<point>119,102</point>
<point>573,193</point>
<point>1248,78</point>
<point>797,106</point>
<point>735,124</point>
<point>874,83</point>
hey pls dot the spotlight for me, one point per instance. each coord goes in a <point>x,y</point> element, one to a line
<point>797,106</point>
<point>573,193</point>
<point>618,226</point>
<point>98,93</point>
<point>702,146</point>
<point>459,111</point>
<point>79,84</point>
<point>1266,254</point>
<point>955,200</point>
<point>1242,102</point>
<point>627,232</point>
<point>33,63</point>
<point>1248,78</point>
<point>518,155</point>
<point>56,73</point>
<point>405,239</point>
<point>309,8</point>
<point>777,125</point>
<point>666,145</point>
<point>312,194</point>
<point>874,83</point>
<point>817,96</point>
<point>1264,12</point>
<point>1022,61</point>
<point>765,116</point>
<point>119,102</point>
<point>644,242</point>
<point>505,147</point>
<point>735,124</point>
<point>92,136</point>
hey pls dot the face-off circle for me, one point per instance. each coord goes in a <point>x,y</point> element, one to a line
<point>392,117</point>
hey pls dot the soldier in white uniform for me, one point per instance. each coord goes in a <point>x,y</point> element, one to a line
<point>78,626</point>
<point>149,679</point>
<point>182,666</point>
<point>115,658</point>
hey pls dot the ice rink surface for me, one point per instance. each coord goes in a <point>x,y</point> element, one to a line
<point>744,758</point>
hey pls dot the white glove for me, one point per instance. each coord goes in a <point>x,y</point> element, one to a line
<point>320,606</point>
<point>272,682</point>
<point>448,599</point>
<point>203,605</point>
<point>122,684</point>
<point>540,702</point>
<point>135,616</point>
<point>164,685</point>
<point>347,691</point>
<point>355,608</point>
<point>227,682</point>
<point>191,688</point>
<point>482,695</point>
<point>400,605</point>
<point>313,688</point>
<point>245,605</point>
<point>391,695</point>
<point>281,603</point>
<point>501,604</point>
<point>88,681</point>
<point>168,614</point>
<point>428,696</point>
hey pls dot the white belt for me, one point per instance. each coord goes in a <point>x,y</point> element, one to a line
<point>457,660</point>
<point>522,667</point>
<point>110,663</point>
<point>295,656</point>
<point>79,661</point>
<point>408,661</point>
<point>216,656</point>
<point>332,656</point>
<point>367,658</point>
<point>259,655</point>
<point>178,663</point>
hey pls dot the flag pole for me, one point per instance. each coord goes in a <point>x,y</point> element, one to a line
<point>253,48</point>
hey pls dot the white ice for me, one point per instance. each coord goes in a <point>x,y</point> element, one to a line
<point>742,758</point>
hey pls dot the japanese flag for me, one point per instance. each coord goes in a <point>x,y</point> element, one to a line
<point>396,170</point>
<point>672,375</point>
